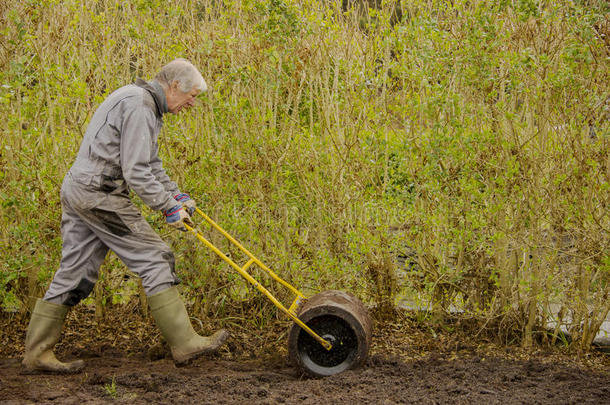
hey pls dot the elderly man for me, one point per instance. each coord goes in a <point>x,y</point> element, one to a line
<point>120,152</point>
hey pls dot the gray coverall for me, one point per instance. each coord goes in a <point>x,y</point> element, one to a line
<point>119,151</point>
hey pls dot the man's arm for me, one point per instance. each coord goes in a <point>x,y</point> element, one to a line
<point>136,144</point>
<point>159,172</point>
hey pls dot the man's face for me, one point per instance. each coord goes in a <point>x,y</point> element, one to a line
<point>177,100</point>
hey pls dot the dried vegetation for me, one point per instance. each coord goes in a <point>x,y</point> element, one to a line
<point>451,155</point>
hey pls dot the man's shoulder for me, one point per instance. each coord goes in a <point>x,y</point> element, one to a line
<point>131,97</point>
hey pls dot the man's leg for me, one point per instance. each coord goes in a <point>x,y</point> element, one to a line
<point>82,255</point>
<point>121,227</point>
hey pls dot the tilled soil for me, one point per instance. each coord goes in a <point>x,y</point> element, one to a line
<point>127,363</point>
<point>434,379</point>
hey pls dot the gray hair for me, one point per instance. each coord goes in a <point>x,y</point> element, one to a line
<point>182,71</point>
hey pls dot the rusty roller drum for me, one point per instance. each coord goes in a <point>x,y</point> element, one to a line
<point>342,320</point>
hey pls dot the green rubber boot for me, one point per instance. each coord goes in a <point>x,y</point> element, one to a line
<point>43,334</point>
<point>169,312</point>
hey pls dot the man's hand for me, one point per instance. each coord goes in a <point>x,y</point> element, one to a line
<point>186,202</point>
<point>176,217</point>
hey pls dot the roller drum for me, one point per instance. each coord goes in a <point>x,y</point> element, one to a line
<point>339,318</point>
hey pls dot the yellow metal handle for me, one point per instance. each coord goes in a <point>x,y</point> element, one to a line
<point>242,270</point>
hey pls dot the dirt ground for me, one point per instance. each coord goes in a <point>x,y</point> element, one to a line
<point>435,379</point>
<point>407,365</point>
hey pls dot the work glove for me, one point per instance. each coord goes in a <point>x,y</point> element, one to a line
<point>176,217</point>
<point>186,202</point>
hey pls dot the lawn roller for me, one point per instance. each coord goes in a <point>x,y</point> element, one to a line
<point>331,332</point>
